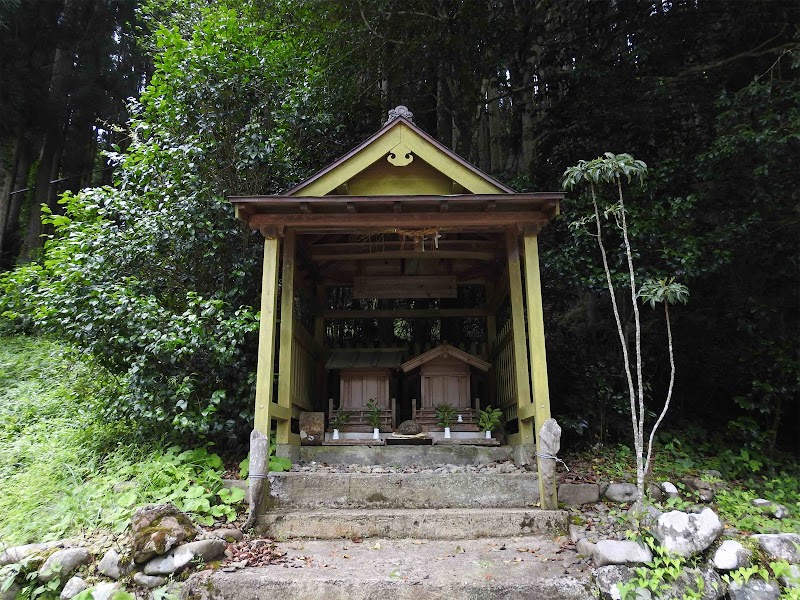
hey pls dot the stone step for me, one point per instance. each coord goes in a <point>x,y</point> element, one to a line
<point>432,523</point>
<point>421,456</point>
<point>530,568</point>
<point>404,490</point>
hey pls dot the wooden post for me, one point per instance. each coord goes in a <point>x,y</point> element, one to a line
<point>491,322</point>
<point>538,357</point>
<point>265,373</point>
<point>319,339</point>
<point>285,358</point>
<point>521,376</point>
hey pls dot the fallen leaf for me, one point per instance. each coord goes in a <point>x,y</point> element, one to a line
<point>377,546</point>
<point>357,540</point>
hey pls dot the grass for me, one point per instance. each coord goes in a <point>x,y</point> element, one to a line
<point>681,454</point>
<point>66,469</point>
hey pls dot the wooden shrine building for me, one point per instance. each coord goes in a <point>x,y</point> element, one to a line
<point>397,240</point>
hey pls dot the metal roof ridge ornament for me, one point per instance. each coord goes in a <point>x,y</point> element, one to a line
<point>400,111</point>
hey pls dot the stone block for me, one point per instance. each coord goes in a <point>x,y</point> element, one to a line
<point>616,552</point>
<point>688,534</point>
<point>312,428</point>
<point>621,492</point>
<point>575,494</point>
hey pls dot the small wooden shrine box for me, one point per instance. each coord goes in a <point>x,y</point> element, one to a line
<point>445,379</point>
<point>365,374</point>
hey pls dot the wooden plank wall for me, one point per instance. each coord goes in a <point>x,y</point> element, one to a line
<point>304,360</point>
<point>502,358</point>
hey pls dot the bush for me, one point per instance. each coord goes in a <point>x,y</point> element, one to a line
<point>65,468</point>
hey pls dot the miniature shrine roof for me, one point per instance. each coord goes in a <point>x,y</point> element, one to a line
<point>445,351</point>
<point>365,358</point>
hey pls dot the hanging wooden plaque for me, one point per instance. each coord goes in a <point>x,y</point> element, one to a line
<point>409,286</point>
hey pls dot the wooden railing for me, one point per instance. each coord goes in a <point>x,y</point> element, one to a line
<point>504,376</point>
<point>358,420</point>
<point>304,369</point>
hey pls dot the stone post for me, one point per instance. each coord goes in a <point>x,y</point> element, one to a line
<point>549,446</point>
<point>259,466</point>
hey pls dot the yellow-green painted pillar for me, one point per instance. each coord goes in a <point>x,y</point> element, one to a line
<point>266,334</point>
<point>536,346</point>
<point>286,356</point>
<point>521,375</point>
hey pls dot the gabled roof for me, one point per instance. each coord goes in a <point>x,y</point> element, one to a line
<point>405,141</point>
<point>364,358</point>
<point>445,351</point>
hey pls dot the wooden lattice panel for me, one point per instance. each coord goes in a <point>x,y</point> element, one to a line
<point>412,286</point>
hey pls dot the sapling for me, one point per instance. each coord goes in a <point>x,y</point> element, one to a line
<point>611,169</point>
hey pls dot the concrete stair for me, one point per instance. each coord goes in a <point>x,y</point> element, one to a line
<point>403,490</point>
<point>430,524</point>
<point>419,535</point>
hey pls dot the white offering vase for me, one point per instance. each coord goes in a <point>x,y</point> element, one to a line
<point>376,434</point>
<point>336,434</point>
<point>446,432</point>
<point>488,435</point>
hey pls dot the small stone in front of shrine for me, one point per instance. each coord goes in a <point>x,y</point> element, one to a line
<point>409,428</point>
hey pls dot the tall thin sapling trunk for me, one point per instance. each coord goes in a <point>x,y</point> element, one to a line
<point>610,169</point>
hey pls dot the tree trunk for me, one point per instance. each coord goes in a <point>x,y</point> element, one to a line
<point>49,161</point>
<point>9,157</point>
<point>11,232</point>
<point>444,108</point>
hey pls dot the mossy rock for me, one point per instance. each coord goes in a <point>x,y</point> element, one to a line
<point>156,528</point>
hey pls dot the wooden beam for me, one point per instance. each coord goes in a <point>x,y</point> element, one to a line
<point>538,357</point>
<point>388,221</point>
<point>539,200</point>
<point>522,379</point>
<point>405,313</point>
<point>430,254</point>
<point>281,413</point>
<point>347,248</point>
<point>285,357</point>
<point>500,291</point>
<point>266,336</point>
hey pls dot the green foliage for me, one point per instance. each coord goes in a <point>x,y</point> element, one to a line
<point>340,418</point>
<point>277,464</point>
<point>445,414</point>
<point>145,276</point>
<point>609,168</point>
<point>374,413</point>
<point>736,506</point>
<point>657,575</point>
<point>665,290</point>
<point>26,575</point>
<point>489,418</point>
<point>87,472</point>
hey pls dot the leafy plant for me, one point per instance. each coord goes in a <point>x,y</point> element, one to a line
<point>445,414</point>
<point>340,418</point>
<point>489,418</point>
<point>613,169</point>
<point>277,464</point>
<point>657,575</point>
<point>26,576</point>
<point>374,413</point>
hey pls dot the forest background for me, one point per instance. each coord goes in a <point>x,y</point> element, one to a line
<point>126,124</point>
